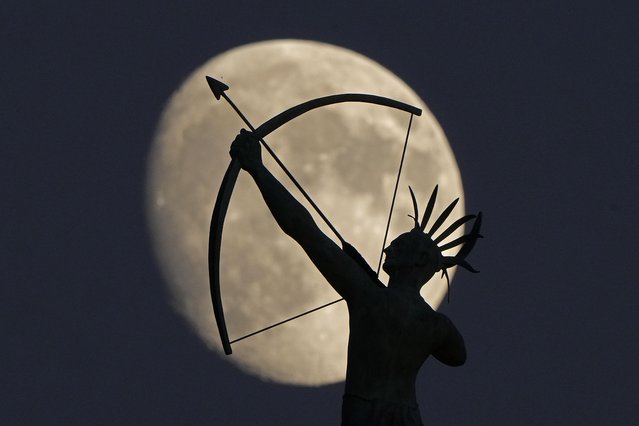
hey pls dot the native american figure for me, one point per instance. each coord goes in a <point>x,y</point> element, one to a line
<point>392,329</point>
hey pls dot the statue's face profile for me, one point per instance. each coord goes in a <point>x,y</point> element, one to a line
<point>400,252</point>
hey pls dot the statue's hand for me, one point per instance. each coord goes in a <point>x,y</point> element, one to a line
<point>246,149</point>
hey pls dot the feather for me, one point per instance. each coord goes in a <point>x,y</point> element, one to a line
<point>452,228</point>
<point>442,217</point>
<point>429,208</point>
<point>412,195</point>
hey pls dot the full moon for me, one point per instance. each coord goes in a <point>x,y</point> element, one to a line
<point>346,157</point>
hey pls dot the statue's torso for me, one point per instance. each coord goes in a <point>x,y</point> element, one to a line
<point>392,333</point>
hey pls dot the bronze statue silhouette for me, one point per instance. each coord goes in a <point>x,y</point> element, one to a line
<point>392,329</point>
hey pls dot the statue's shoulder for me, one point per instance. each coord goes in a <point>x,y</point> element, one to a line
<point>369,296</point>
<point>436,322</point>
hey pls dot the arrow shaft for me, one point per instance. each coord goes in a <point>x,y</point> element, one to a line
<point>284,168</point>
<point>237,110</point>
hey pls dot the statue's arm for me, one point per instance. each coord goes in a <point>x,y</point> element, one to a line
<point>449,347</point>
<point>342,273</point>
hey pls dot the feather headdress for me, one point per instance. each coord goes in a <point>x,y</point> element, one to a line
<point>467,240</point>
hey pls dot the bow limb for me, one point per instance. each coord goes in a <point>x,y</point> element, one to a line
<point>293,112</point>
<point>230,177</point>
<point>215,245</point>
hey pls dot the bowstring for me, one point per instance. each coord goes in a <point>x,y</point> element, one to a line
<point>390,214</point>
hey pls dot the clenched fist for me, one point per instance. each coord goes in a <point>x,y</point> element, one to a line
<point>247,150</point>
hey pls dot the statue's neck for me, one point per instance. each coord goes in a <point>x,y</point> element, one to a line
<point>403,281</point>
<point>410,279</point>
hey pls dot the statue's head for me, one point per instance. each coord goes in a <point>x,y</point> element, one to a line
<point>413,249</point>
<point>420,249</point>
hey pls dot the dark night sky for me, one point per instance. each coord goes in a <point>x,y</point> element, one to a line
<point>538,99</point>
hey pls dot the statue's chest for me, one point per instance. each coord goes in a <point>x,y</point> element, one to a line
<point>395,319</point>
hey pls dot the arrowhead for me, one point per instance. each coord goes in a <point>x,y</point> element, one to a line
<point>217,87</point>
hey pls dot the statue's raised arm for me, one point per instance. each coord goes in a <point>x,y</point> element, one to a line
<point>348,278</point>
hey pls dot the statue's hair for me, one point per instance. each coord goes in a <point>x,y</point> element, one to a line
<point>467,240</point>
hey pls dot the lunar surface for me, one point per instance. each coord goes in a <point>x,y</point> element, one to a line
<point>346,156</point>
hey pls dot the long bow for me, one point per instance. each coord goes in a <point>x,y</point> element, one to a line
<point>230,177</point>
